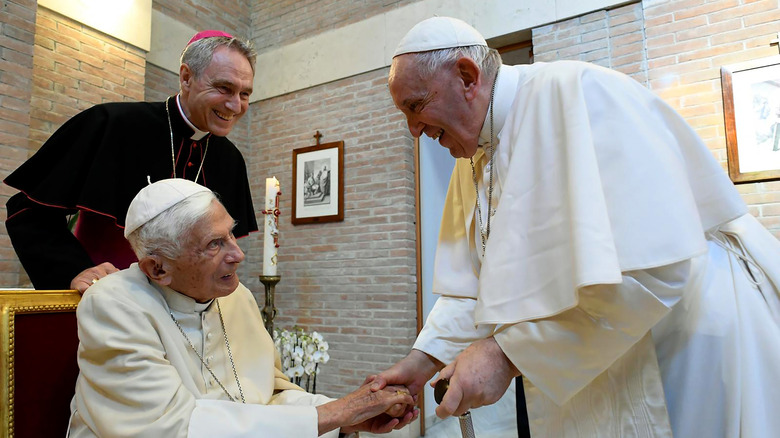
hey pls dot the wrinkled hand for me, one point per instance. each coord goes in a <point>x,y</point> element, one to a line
<point>366,410</point>
<point>479,376</point>
<point>89,276</point>
<point>396,416</point>
<point>383,423</point>
<point>412,371</point>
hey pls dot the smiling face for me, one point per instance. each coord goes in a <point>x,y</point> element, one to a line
<point>216,99</point>
<point>206,268</point>
<point>447,107</point>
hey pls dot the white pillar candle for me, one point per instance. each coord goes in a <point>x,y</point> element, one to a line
<point>271,229</point>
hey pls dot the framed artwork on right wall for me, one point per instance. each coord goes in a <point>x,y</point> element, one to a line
<point>751,109</point>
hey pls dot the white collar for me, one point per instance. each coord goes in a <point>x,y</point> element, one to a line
<point>198,134</point>
<point>506,87</point>
<point>182,303</point>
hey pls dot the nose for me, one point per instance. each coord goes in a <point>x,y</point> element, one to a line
<point>234,252</point>
<point>234,103</point>
<point>415,128</point>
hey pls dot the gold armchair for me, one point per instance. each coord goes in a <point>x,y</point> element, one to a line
<point>38,369</point>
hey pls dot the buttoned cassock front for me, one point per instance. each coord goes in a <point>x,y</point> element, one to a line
<point>139,376</point>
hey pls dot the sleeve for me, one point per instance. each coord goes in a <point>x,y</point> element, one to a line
<point>51,182</point>
<point>49,252</point>
<point>450,328</point>
<point>562,354</point>
<point>127,387</point>
<point>290,413</point>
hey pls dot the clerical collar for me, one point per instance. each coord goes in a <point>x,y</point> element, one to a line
<point>506,88</point>
<point>198,134</point>
<point>182,303</point>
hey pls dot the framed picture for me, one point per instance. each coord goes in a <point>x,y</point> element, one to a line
<point>751,109</point>
<point>318,183</point>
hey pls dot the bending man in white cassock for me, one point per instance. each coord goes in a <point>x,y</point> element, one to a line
<point>589,243</point>
<point>175,346</point>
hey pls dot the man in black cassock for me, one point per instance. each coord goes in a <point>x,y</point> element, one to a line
<point>98,160</point>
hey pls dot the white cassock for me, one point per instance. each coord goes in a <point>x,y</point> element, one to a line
<point>623,276</point>
<point>139,377</point>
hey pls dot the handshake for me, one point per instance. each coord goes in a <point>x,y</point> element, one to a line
<point>375,411</point>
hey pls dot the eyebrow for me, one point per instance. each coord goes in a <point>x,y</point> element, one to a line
<point>223,83</point>
<point>408,102</point>
<point>215,236</point>
<point>418,99</point>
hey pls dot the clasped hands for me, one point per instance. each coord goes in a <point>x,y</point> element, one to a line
<point>478,376</point>
<point>380,411</point>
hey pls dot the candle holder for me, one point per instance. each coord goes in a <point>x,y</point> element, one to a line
<point>269,311</point>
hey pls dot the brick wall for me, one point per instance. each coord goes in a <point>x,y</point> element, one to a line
<point>612,39</point>
<point>160,83</point>
<point>77,67</point>
<point>287,21</point>
<point>55,67</point>
<point>353,281</point>
<point>676,48</point>
<point>17,33</point>
<point>232,16</point>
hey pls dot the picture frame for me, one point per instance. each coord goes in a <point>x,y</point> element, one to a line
<point>751,111</point>
<point>318,184</point>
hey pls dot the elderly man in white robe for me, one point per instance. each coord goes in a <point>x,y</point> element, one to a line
<point>175,346</point>
<point>589,243</point>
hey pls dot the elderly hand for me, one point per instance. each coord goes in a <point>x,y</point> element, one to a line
<point>479,376</point>
<point>367,410</point>
<point>90,276</point>
<point>412,371</point>
<point>397,416</point>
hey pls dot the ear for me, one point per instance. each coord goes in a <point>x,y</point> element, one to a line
<point>185,77</point>
<point>471,76</point>
<point>156,268</point>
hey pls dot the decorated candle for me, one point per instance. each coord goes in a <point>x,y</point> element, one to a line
<point>271,228</point>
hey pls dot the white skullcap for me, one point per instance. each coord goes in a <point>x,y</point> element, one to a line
<point>156,198</point>
<point>439,33</point>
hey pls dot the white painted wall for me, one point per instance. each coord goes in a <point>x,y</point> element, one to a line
<point>169,36</point>
<point>126,20</point>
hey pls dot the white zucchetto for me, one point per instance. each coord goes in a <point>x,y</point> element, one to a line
<point>156,198</point>
<point>439,33</point>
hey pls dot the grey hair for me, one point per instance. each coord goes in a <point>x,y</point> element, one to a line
<point>429,63</point>
<point>198,54</point>
<point>164,234</point>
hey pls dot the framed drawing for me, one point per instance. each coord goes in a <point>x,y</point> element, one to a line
<point>751,109</point>
<point>318,183</point>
